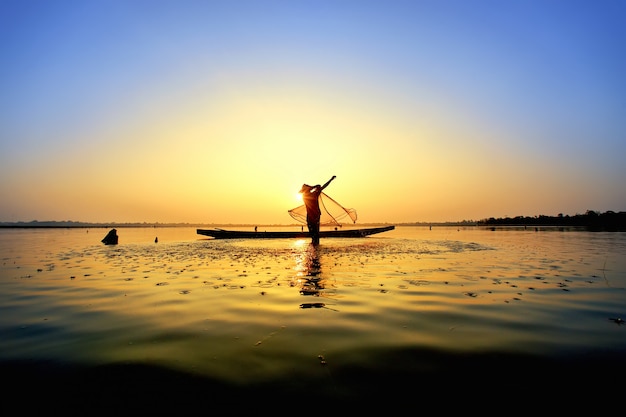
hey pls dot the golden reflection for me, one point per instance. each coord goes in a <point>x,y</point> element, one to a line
<point>308,268</point>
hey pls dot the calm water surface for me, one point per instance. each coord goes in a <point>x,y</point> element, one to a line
<point>255,311</point>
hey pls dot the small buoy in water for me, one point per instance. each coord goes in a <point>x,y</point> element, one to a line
<point>156,239</point>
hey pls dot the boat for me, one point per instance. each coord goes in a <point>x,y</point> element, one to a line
<point>281,234</point>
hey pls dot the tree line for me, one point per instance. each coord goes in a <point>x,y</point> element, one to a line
<point>593,220</point>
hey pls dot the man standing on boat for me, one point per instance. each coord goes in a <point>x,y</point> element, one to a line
<point>311,198</point>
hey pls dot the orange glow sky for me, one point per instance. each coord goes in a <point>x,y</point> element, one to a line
<point>217,112</point>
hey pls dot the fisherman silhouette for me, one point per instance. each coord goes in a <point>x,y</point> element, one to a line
<point>311,196</point>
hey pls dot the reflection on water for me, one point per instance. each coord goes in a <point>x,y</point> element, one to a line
<point>309,271</point>
<point>310,276</point>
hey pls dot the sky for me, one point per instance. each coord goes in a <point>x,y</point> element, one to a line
<point>218,111</point>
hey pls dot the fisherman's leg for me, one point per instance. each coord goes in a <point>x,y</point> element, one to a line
<point>315,234</point>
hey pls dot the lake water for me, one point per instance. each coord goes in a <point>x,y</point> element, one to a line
<point>190,321</point>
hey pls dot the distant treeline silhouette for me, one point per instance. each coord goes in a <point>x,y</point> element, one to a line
<point>592,220</point>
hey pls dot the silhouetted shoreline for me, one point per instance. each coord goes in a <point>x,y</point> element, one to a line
<point>590,221</point>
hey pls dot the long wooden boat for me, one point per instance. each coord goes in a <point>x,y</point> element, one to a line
<point>278,234</point>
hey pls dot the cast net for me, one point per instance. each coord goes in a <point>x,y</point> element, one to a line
<point>333,213</point>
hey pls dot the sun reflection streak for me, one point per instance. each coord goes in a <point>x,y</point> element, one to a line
<point>310,279</point>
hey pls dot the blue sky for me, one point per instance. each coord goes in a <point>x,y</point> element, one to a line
<point>218,111</point>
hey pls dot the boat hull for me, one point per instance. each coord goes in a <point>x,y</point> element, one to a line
<point>243,234</point>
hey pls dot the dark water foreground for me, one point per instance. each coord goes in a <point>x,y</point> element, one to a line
<point>401,381</point>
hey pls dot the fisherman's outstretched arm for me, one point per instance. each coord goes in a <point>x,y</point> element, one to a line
<point>328,182</point>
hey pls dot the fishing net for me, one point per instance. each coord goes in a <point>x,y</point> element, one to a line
<point>333,213</point>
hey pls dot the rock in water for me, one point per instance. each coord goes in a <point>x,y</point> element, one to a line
<point>110,238</point>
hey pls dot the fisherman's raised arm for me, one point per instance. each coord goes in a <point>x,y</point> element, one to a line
<point>328,182</point>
